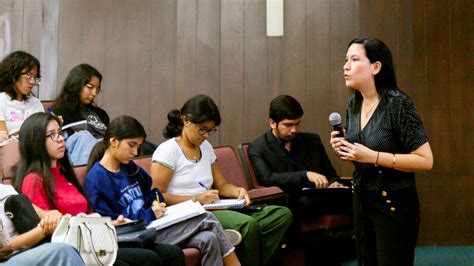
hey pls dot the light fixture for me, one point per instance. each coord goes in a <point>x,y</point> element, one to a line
<point>274,18</point>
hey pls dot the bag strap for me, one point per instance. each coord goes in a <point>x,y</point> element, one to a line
<point>91,243</point>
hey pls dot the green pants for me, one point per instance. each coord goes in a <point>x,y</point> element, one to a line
<point>261,232</point>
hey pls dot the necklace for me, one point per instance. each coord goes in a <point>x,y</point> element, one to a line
<point>371,107</point>
<point>188,152</point>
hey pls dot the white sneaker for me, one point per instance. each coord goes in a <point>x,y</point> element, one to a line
<point>234,236</point>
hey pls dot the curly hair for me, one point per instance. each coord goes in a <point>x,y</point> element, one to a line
<point>11,68</point>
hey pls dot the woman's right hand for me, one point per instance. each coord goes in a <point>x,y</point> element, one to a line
<point>158,208</point>
<point>50,221</point>
<point>336,142</point>
<point>208,197</point>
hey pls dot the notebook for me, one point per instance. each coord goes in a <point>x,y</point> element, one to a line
<point>177,213</point>
<point>225,204</point>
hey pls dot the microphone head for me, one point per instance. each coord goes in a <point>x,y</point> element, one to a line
<point>334,119</point>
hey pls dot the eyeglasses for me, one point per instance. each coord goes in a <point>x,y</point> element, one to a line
<point>31,79</point>
<point>55,135</point>
<point>203,130</point>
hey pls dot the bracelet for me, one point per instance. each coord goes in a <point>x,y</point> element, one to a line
<point>194,198</point>
<point>377,161</point>
<point>394,161</point>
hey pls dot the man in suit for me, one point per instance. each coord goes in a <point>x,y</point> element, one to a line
<point>296,161</point>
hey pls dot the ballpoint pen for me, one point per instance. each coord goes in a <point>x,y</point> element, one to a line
<point>203,186</point>
<point>157,197</point>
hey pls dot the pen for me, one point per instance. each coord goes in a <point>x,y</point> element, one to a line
<point>203,186</point>
<point>157,197</point>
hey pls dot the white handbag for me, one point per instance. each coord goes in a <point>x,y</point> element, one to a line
<point>92,235</point>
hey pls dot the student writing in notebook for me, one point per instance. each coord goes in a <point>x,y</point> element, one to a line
<point>187,158</point>
<point>46,177</point>
<point>117,186</point>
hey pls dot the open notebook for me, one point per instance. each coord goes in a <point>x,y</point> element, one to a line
<point>225,204</point>
<point>177,213</point>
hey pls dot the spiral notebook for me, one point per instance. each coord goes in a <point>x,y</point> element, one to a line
<point>225,204</point>
<point>177,213</point>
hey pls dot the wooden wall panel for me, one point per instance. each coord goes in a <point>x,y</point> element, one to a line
<point>163,49</point>
<point>14,9</point>
<point>318,54</point>
<point>438,123</point>
<point>232,72</point>
<point>293,50</point>
<point>255,70</point>
<point>70,38</point>
<point>138,60</point>
<point>115,83</point>
<point>208,52</point>
<point>185,68</point>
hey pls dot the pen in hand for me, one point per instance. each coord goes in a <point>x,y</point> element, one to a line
<point>203,186</point>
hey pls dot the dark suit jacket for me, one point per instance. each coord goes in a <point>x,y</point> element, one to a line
<point>273,167</point>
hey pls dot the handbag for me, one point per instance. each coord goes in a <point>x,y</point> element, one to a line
<point>92,235</point>
<point>136,235</point>
<point>20,210</point>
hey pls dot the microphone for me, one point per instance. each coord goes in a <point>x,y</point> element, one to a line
<point>335,121</point>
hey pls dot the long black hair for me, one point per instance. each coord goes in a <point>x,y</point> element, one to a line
<point>35,158</point>
<point>122,127</point>
<point>11,68</point>
<point>77,78</point>
<point>198,109</point>
<point>385,80</point>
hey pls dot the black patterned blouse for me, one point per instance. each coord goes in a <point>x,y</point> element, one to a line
<point>395,127</point>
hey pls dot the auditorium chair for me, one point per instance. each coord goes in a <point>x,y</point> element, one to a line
<point>320,228</point>
<point>233,171</point>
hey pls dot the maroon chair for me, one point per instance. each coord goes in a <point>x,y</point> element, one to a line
<point>47,105</point>
<point>192,256</point>
<point>232,169</point>
<point>328,223</point>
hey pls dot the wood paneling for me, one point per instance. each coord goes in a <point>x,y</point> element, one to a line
<point>255,70</point>
<point>232,71</point>
<point>156,54</point>
<point>162,67</point>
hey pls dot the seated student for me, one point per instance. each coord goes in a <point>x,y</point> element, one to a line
<point>292,160</point>
<point>187,160</point>
<point>117,186</point>
<point>26,248</point>
<point>45,176</point>
<point>19,73</point>
<point>75,102</point>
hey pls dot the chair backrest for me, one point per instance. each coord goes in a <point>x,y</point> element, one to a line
<point>244,156</point>
<point>81,172</point>
<point>47,104</point>
<point>144,162</point>
<point>9,156</point>
<point>230,166</point>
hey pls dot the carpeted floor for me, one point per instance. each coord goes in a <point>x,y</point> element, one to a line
<point>442,256</point>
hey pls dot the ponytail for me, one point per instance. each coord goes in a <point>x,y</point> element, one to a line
<point>175,124</point>
<point>96,154</point>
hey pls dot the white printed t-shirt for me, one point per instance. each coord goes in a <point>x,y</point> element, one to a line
<point>187,174</point>
<point>14,112</point>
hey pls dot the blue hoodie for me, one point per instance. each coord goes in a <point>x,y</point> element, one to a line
<point>112,194</point>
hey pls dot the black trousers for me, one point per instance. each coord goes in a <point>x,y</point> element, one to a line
<point>386,226</point>
<point>317,202</point>
<point>163,254</point>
